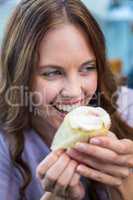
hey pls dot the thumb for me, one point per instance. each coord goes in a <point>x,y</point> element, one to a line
<point>112,135</point>
<point>78,192</point>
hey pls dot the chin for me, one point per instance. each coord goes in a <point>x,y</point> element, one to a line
<point>52,117</point>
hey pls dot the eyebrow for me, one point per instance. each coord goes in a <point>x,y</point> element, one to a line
<point>93,61</point>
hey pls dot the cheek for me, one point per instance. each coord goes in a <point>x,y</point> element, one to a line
<point>50,93</point>
<point>90,83</point>
<point>46,91</point>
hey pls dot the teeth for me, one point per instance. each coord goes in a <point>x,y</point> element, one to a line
<point>67,108</point>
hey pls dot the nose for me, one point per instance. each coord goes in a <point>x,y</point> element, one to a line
<point>72,88</point>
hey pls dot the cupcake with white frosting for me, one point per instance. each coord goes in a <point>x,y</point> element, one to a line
<point>80,125</point>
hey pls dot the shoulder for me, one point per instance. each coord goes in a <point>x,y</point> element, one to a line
<point>9,177</point>
<point>6,165</point>
<point>4,147</point>
<point>125,104</point>
<point>34,145</point>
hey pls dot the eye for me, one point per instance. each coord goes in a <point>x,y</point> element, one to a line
<point>89,68</point>
<point>51,74</point>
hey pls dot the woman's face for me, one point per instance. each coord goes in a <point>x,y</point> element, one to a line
<point>66,75</point>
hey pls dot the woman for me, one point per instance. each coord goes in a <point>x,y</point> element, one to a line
<point>53,59</point>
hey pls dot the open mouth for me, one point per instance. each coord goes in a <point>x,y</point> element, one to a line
<point>61,111</point>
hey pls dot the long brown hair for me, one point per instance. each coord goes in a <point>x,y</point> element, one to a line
<point>30,21</point>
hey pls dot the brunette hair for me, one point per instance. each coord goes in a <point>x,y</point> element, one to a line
<point>30,21</point>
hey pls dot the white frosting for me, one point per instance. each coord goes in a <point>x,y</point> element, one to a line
<point>89,118</point>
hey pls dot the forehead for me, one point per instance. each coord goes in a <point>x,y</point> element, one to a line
<point>66,44</point>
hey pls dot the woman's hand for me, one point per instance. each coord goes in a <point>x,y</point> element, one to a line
<point>57,173</point>
<point>105,159</point>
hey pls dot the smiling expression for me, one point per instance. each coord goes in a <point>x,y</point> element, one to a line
<point>66,75</point>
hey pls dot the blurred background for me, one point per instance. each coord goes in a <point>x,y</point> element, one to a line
<point>116,20</point>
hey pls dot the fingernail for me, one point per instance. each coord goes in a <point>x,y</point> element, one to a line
<point>79,168</point>
<point>95,141</point>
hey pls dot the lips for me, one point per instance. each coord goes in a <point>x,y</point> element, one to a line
<point>57,105</point>
<point>61,113</point>
<point>65,112</point>
<point>70,102</point>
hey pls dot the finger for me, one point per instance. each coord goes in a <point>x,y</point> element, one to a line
<point>54,172</point>
<point>75,188</point>
<point>77,193</point>
<point>75,180</point>
<point>97,152</point>
<point>103,155</point>
<point>65,178</point>
<point>67,175</point>
<point>123,146</point>
<point>98,176</point>
<point>112,135</point>
<point>48,184</point>
<point>50,196</point>
<point>114,170</point>
<point>47,163</point>
<point>47,196</point>
<point>125,160</point>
